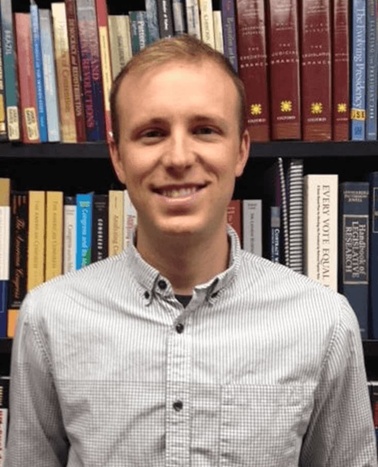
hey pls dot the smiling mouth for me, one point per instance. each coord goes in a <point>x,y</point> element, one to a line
<point>179,192</point>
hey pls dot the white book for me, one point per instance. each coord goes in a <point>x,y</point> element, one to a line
<point>116,221</point>
<point>130,219</point>
<point>193,18</point>
<point>218,31</point>
<point>120,42</point>
<point>5,187</point>
<point>207,22</point>
<point>320,195</point>
<point>252,225</point>
<point>69,234</point>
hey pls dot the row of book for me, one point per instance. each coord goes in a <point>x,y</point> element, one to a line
<point>309,68</point>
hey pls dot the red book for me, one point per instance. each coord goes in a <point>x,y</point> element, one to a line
<point>234,216</point>
<point>26,78</point>
<point>284,67</point>
<point>77,85</point>
<point>340,71</point>
<point>316,67</point>
<point>253,65</point>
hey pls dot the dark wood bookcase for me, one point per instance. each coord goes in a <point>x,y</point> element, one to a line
<point>76,167</point>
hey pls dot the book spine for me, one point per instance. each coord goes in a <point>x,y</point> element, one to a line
<point>48,59</point>
<point>358,71</point>
<point>371,70</point>
<point>284,212</point>
<point>316,72</point>
<point>275,234</point>
<point>64,75</point>
<point>91,70</point>
<point>234,216</point>
<point>229,32</point>
<point>138,30</point>
<point>206,21</point>
<point>120,42</point>
<point>284,67</point>
<point>38,71</point>
<point>84,206</point>
<point>99,227</point>
<point>340,71</point>
<point>373,265</point>
<point>54,234</point>
<point>69,234</point>
<point>130,219</point>
<point>321,228</point>
<point>19,250</point>
<point>75,62</point>
<point>354,249</point>
<point>252,226</point>
<point>295,193</point>
<point>179,18</point>
<point>152,20</point>
<point>5,187</point>
<point>36,239</point>
<point>165,18</point>
<point>10,71</point>
<point>218,31</point>
<point>3,113</point>
<point>3,308</point>
<point>4,415</point>
<point>193,18</point>
<point>253,67</point>
<point>116,221</point>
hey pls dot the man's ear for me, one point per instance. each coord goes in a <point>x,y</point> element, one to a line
<point>116,160</point>
<point>245,142</point>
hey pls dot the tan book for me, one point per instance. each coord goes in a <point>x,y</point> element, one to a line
<point>54,234</point>
<point>36,238</point>
<point>64,74</point>
<point>120,41</point>
<point>207,22</point>
<point>116,223</point>
<point>5,187</point>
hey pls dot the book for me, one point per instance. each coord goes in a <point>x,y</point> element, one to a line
<point>26,79</point>
<point>54,234</point>
<point>373,265</point>
<point>100,226</point>
<point>4,415</point>
<point>284,212</point>
<point>207,22</point>
<point>165,18</point>
<point>12,102</point>
<point>295,214</point>
<point>49,75</point>
<point>275,234</point>
<point>252,226</point>
<point>3,113</point>
<point>229,32</point>
<point>18,249</point>
<point>371,69</point>
<point>152,20</point>
<point>253,65</point>
<point>138,28</point>
<point>358,71</point>
<point>5,190</point>
<point>93,89</point>
<point>36,238</point>
<point>179,17</point>
<point>130,219</point>
<point>284,67</point>
<point>84,210</point>
<point>218,31</point>
<point>316,70</point>
<point>120,42</point>
<point>193,18</point>
<point>354,248</point>
<point>116,221</point>
<point>69,233</point>
<point>67,117</point>
<point>340,70</point>
<point>38,71</point>
<point>321,209</point>
<point>373,393</point>
<point>76,71</point>
<point>234,216</point>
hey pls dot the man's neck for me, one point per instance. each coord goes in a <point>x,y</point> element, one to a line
<point>186,263</point>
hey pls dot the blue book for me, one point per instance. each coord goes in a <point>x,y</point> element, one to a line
<point>229,32</point>
<point>354,248</point>
<point>358,71</point>
<point>38,71</point>
<point>138,28</point>
<point>3,308</point>
<point>152,21</point>
<point>84,206</point>
<point>371,70</point>
<point>373,264</point>
<point>49,75</point>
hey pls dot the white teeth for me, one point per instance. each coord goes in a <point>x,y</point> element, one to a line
<point>179,193</point>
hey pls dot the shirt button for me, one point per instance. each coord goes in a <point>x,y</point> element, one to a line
<point>179,328</point>
<point>162,284</point>
<point>178,405</point>
<point>146,294</point>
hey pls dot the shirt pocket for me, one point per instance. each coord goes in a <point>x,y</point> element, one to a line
<point>263,425</point>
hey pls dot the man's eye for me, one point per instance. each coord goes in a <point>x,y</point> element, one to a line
<point>205,130</point>
<point>152,134</point>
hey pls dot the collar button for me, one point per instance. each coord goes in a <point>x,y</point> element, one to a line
<point>162,284</point>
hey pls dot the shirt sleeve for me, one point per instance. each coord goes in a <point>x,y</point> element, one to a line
<point>341,431</point>
<point>36,433</point>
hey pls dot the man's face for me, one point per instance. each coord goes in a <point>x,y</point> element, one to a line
<point>180,148</point>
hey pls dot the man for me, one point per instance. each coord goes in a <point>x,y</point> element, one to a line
<point>185,350</point>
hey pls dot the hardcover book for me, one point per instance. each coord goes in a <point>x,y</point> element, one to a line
<point>193,18</point>
<point>116,221</point>
<point>84,210</point>
<point>36,238</point>
<point>165,18</point>
<point>354,248</point>
<point>373,265</point>
<point>207,22</point>
<point>371,69</point>
<point>100,226</point>
<point>284,67</point>
<point>321,209</point>
<point>253,65</point>
<point>316,70</point>
<point>54,234</point>
<point>152,21</point>
<point>69,233</point>
<point>252,226</point>
<point>340,71</point>
<point>120,42</point>
<point>130,219</point>
<point>230,48</point>
<point>234,216</point>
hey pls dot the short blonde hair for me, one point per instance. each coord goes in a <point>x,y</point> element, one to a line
<point>178,48</point>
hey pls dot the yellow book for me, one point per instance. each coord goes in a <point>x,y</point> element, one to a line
<point>116,214</point>
<point>36,239</point>
<point>54,234</point>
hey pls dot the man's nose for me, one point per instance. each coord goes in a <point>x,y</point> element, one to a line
<point>179,152</point>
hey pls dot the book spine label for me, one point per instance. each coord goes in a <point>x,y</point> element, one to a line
<point>253,66</point>
<point>371,70</point>
<point>284,63</point>
<point>340,71</point>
